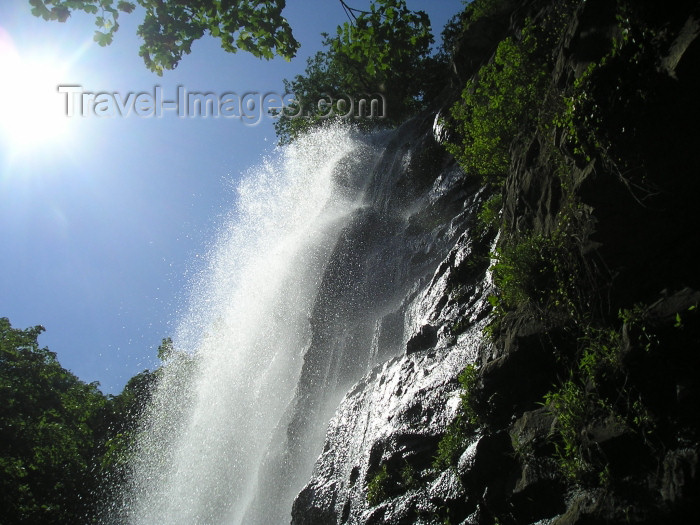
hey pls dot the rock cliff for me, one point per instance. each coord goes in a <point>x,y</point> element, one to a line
<point>585,397</point>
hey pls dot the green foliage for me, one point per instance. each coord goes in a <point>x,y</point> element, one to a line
<point>467,380</point>
<point>601,356</point>
<point>506,98</point>
<point>481,8</point>
<point>129,406</point>
<point>452,32</point>
<point>459,326</point>
<point>452,444</point>
<point>591,394</point>
<point>569,118</point>
<point>409,477</point>
<point>383,48</point>
<point>379,486</point>
<point>166,349</point>
<point>489,216</point>
<point>679,323</point>
<point>536,271</point>
<point>606,395</point>
<point>581,400</point>
<point>170,27</point>
<point>456,436</point>
<point>389,480</point>
<point>52,426</point>
<point>501,103</point>
<point>382,56</point>
<point>599,390</point>
<point>63,444</point>
<point>572,410</point>
<point>549,273</point>
<point>127,409</point>
<point>324,80</point>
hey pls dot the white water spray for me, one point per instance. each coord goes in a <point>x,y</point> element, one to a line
<point>214,414</point>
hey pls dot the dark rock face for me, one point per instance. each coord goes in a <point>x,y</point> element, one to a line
<point>402,408</point>
<point>424,339</point>
<point>385,432</point>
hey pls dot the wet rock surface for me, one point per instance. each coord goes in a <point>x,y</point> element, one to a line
<point>395,416</point>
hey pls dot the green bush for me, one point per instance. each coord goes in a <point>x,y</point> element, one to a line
<point>592,393</point>
<point>52,431</point>
<point>390,480</point>
<point>467,380</point>
<point>502,102</point>
<point>489,216</point>
<point>571,407</point>
<point>455,439</point>
<point>599,389</point>
<point>409,477</point>
<point>452,444</point>
<point>378,487</point>
<point>460,22</point>
<point>525,272</point>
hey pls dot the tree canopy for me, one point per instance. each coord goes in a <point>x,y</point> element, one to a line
<point>63,443</point>
<point>170,27</point>
<point>51,425</point>
<point>383,53</point>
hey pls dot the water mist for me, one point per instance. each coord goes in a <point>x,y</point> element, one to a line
<point>240,347</point>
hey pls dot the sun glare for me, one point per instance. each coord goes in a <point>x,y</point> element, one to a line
<point>32,114</point>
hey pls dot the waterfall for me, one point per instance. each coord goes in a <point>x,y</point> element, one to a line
<point>229,387</point>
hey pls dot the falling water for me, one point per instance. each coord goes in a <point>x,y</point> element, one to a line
<point>214,413</point>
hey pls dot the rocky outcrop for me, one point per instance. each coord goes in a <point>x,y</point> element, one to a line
<point>394,417</point>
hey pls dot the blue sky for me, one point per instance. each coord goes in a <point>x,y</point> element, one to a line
<point>105,221</point>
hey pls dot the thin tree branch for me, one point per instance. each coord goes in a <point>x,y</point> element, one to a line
<point>350,11</point>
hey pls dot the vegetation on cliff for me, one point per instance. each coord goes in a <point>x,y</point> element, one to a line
<point>577,162</point>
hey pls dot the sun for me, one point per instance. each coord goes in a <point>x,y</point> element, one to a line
<point>32,112</point>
